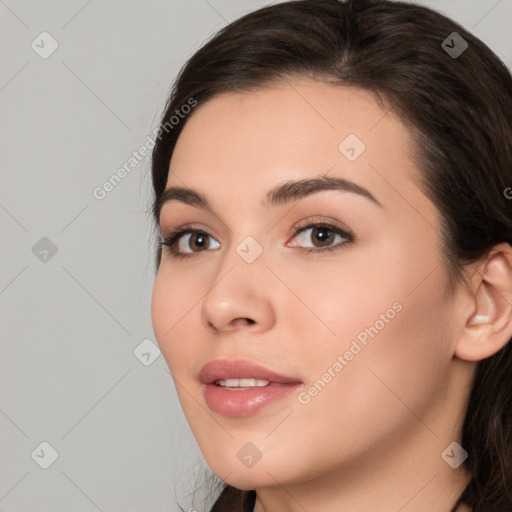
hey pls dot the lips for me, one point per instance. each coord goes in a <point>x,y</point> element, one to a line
<point>243,401</point>
<point>223,369</point>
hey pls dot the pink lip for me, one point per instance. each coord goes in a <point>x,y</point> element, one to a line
<point>243,402</point>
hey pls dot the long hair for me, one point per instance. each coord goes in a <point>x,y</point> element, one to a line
<point>456,102</point>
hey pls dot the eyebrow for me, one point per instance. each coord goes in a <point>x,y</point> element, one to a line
<point>281,194</point>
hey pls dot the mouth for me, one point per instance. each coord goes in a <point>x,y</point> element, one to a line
<point>242,383</point>
<point>242,388</point>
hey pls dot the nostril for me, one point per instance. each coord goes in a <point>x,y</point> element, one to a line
<point>248,321</point>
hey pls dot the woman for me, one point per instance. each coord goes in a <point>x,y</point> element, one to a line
<point>334,287</point>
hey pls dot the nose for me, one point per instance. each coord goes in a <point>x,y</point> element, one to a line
<point>239,297</point>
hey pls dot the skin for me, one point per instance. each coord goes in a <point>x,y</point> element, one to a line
<point>372,438</point>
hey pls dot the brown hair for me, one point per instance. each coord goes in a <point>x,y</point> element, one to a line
<point>459,111</point>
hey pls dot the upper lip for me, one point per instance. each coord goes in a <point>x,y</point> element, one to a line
<point>222,369</point>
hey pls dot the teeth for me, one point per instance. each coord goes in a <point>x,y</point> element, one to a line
<point>242,383</point>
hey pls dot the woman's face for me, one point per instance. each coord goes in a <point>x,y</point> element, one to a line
<point>353,313</point>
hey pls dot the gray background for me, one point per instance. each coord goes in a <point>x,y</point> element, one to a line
<point>71,321</point>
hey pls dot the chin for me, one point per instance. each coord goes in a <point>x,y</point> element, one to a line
<point>247,479</point>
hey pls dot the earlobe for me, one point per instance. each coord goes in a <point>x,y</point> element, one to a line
<point>489,325</point>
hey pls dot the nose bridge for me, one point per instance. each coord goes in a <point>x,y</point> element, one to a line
<point>244,257</point>
<point>239,289</point>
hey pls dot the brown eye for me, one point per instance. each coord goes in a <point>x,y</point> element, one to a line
<point>186,242</point>
<point>195,241</point>
<point>323,235</point>
<point>318,236</point>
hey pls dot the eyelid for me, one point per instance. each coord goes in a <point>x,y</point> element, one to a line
<point>185,229</point>
<point>320,220</point>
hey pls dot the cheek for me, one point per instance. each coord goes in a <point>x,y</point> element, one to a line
<point>389,322</point>
<point>173,303</point>
<point>328,302</point>
<point>394,343</point>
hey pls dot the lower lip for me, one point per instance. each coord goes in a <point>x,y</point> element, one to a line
<point>243,401</point>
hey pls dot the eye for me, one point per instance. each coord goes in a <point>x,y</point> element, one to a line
<point>196,240</point>
<point>321,237</point>
<point>184,241</point>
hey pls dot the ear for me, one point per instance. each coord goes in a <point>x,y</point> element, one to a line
<point>488,325</point>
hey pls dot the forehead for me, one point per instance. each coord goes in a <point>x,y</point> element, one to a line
<point>240,145</point>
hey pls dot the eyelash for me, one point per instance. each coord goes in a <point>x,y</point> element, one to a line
<point>171,239</point>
